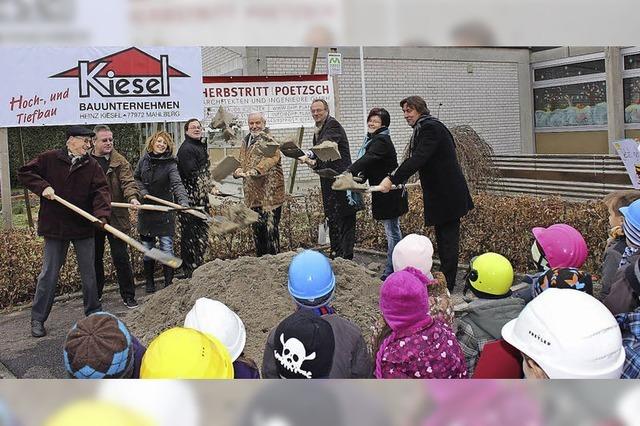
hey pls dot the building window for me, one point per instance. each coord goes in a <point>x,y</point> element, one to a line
<point>631,99</point>
<point>569,70</point>
<point>632,62</point>
<point>582,104</point>
<point>570,94</point>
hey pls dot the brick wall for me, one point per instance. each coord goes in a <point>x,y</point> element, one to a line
<point>486,98</point>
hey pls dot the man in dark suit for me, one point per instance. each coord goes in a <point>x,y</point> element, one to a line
<point>432,153</point>
<point>339,210</point>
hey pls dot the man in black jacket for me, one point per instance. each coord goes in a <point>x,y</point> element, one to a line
<point>193,165</point>
<point>432,153</point>
<point>339,210</point>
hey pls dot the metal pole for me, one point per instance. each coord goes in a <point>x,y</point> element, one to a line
<point>364,89</point>
<point>5,182</point>
<point>27,201</point>
<point>294,162</point>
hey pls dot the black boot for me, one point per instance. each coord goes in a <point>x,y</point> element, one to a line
<point>149,269</point>
<point>168,275</point>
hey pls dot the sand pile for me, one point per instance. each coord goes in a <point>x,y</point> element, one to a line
<point>256,289</point>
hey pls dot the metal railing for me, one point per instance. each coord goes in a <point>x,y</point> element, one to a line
<point>575,177</point>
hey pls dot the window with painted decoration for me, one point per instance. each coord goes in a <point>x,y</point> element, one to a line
<point>631,88</point>
<point>570,95</point>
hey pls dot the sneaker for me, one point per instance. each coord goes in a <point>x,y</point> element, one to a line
<point>130,303</point>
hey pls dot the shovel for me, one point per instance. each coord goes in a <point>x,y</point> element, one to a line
<point>224,168</point>
<point>291,150</point>
<point>154,253</point>
<point>327,151</point>
<point>152,207</point>
<point>376,188</point>
<point>327,173</point>
<point>191,210</point>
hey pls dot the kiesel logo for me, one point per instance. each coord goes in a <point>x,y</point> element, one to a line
<point>130,72</point>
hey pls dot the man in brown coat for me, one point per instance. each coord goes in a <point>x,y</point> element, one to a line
<point>74,175</point>
<point>123,189</point>
<point>263,185</point>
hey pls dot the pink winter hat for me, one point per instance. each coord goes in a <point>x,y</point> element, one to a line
<point>404,300</point>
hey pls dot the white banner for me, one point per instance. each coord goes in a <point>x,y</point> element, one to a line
<point>628,152</point>
<point>54,86</point>
<point>284,100</point>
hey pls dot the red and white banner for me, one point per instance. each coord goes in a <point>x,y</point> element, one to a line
<point>284,100</point>
<point>54,86</point>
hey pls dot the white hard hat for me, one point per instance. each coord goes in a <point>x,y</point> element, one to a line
<point>570,334</point>
<point>215,318</point>
<point>166,402</point>
<point>413,250</point>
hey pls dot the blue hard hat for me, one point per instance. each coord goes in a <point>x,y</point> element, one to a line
<point>311,276</point>
<point>631,213</point>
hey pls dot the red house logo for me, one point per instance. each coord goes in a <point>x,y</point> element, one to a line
<point>130,72</point>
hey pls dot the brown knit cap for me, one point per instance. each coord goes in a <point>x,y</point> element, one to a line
<point>98,346</point>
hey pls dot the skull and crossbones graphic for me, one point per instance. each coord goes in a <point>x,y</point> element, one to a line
<point>293,355</point>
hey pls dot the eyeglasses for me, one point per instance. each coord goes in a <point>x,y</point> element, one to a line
<point>85,139</point>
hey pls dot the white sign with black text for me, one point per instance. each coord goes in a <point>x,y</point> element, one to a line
<point>284,100</point>
<point>55,86</point>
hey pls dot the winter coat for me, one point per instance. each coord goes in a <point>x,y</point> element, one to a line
<point>267,189</point>
<point>433,154</point>
<point>123,189</point>
<point>426,350</point>
<point>481,322</point>
<point>158,176</point>
<point>351,359</point>
<point>610,263</point>
<point>83,185</point>
<point>625,289</point>
<point>499,360</point>
<point>193,164</point>
<point>138,353</point>
<point>335,202</point>
<point>378,161</point>
<point>630,328</point>
<point>244,370</point>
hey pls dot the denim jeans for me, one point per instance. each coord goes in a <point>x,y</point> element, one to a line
<point>394,235</point>
<point>166,244</point>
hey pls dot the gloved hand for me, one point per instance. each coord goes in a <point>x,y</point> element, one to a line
<point>48,193</point>
<point>103,221</point>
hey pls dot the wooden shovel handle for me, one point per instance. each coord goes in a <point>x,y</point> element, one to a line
<point>199,215</point>
<point>151,207</point>
<point>124,237</point>
<point>394,187</point>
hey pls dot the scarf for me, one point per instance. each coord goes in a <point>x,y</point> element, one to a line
<point>368,138</point>
<point>628,252</point>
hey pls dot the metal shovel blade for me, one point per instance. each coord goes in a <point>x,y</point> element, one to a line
<point>224,168</point>
<point>327,173</point>
<point>291,150</point>
<point>327,151</point>
<point>164,258</point>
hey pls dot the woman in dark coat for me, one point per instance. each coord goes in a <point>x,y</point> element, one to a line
<point>157,174</point>
<point>376,159</point>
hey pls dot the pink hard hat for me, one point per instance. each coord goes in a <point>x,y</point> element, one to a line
<point>562,244</point>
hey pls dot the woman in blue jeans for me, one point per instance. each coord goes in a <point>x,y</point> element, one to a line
<point>376,159</point>
<point>157,175</point>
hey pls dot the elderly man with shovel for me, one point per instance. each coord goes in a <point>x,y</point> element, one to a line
<point>261,169</point>
<point>74,175</point>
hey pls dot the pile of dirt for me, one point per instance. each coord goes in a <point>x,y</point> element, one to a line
<point>256,289</point>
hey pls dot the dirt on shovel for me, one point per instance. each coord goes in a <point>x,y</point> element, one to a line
<point>327,151</point>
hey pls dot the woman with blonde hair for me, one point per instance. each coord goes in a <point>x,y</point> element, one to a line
<point>157,175</point>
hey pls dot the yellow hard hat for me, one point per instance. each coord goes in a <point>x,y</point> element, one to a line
<point>490,275</point>
<point>186,353</point>
<point>97,413</point>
